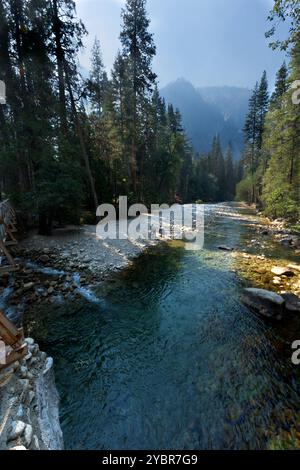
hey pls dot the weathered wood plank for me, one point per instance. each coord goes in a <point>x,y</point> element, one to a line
<point>14,356</point>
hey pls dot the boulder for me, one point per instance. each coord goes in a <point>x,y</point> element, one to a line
<point>267,303</point>
<point>279,271</point>
<point>16,430</point>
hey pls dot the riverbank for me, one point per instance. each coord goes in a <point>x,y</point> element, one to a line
<point>70,265</point>
<point>29,405</point>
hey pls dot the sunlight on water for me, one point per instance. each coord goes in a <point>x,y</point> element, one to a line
<point>164,355</point>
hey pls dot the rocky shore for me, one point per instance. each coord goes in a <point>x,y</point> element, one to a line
<point>62,266</point>
<point>50,270</point>
<point>29,406</point>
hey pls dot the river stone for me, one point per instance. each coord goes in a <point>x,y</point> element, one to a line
<point>28,433</point>
<point>225,248</point>
<point>279,271</point>
<point>16,430</point>
<point>267,303</point>
<point>28,286</point>
<point>44,259</point>
<point>296,267</point>
<point>292,302</point>
<point>18,448</point>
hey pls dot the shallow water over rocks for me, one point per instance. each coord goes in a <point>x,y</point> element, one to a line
<point>164,355</point>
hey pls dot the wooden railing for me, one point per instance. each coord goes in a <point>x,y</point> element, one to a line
<point>12,343</point>
<point>12,340</point>
<point>8,226</point>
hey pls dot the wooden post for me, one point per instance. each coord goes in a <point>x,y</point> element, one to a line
<point>13,338</point>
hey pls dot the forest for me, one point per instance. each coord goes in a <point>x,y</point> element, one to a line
<point>69,143</point>
<point>272,131</point>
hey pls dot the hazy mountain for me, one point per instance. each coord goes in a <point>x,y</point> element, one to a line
<point>208,111</point>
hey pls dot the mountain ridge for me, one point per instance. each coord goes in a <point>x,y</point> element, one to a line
<point>207,111</point>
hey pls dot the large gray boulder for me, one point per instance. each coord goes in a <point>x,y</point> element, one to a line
<point>267,303</point>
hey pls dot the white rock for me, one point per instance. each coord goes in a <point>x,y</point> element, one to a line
<point>48,365</point>
<point>16,430</point>
<point>29,341</point>
<point>18,448</point>
<point>279,271</point>
<point>28,433</point>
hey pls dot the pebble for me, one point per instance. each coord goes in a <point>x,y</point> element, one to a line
<point>28,286</point>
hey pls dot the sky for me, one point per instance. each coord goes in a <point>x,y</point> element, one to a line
<point>208,42</point>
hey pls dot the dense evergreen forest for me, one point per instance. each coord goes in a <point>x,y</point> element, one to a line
<point>69,143</point>
<point>272,130</point>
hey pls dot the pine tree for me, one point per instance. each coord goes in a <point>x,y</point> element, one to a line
<point>139,50</point>
<point>281,85</point>
<point>282,142</point>
<point>230,178</point>
<point>98,81</point>
<point>262,108</point>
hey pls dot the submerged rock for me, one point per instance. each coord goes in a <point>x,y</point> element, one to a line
<point>225,248</point>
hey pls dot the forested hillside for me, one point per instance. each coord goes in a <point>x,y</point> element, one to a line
<point>68,144</point>
<point>210,111</point>
<point>272,132</point>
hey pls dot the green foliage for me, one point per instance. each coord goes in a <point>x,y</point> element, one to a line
<point>244,189</point>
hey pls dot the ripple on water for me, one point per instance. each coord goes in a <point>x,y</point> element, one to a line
<point>168,357</point>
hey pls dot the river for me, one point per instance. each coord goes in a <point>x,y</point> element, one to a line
<point>164,355</point>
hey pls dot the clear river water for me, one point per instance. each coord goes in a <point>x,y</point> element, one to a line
<point>164,355</point>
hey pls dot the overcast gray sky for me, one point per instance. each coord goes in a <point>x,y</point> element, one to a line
<point>209,42</point>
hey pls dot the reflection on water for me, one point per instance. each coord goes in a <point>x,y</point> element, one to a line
<point>170,358</point>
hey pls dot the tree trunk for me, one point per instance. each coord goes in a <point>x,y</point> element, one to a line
<point>60,68</point>
<point>82,142</point>
<point>45,224</point>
